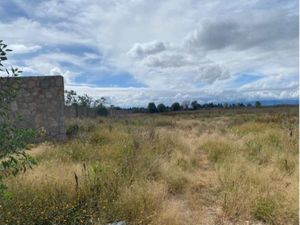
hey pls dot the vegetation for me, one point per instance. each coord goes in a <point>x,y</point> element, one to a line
<point>257,104</point>
<point>175,106</point>
<point>13,139</point>
<point>152,107</point>
<point>187,105</point>
<point>72,99</point>
<point>161,108</point>
<point>199,167</point>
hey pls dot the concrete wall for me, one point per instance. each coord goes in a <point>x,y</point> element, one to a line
<point>40,102</point>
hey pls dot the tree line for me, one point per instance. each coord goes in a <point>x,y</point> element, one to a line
<point>194,105</point>
<point>73,99</point>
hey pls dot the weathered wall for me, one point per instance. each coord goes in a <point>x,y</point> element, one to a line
<point>40,101</point>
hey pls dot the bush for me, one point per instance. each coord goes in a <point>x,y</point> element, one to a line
<point>102,110</point>
<point>264,209</point>
<point>72,130</point>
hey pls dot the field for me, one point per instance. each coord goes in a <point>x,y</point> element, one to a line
<point>218,166</point>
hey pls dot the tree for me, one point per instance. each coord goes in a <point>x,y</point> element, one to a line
<point>161,108</point>
<point>13,139</point>
<point>71,97</point>
<point>102,110</point>
<point>186,104</point>
<point>257,104</point>
<point>85,100</point>
<point>175,106</point>
<point>152,107</point>
<point>194,105</point>
<point>99,104</point>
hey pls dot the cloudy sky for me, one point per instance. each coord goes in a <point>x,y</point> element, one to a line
<point>136,51</point>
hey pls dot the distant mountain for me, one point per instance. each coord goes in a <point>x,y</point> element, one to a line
<point>280,102</point>
<point>269,102</point>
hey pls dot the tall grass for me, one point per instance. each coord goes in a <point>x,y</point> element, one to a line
<point>162,170</point>
<point>258,172</point>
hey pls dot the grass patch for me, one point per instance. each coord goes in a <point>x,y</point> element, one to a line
<point>187,168</point>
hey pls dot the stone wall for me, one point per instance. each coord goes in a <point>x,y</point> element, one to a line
<point>40,102</point>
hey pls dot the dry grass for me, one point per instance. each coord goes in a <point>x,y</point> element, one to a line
<point>173,169</point>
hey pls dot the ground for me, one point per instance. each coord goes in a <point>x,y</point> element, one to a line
<point>218,166</point>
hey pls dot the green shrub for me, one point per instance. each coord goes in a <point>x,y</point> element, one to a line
<point>218,151</point>
<point>102,110</point>
<point>72,130</point>
<point>13,138</point>
<point>264,209</point>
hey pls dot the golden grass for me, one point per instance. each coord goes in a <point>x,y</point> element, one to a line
<point>163,170</point>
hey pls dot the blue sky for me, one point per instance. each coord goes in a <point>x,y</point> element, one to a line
<point>137,51</point>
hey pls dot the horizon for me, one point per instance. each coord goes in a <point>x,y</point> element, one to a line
<point>136,52</point>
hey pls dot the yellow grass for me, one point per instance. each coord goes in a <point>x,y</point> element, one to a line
<point>163,170</point>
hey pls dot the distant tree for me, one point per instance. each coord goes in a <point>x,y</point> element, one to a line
<point>257,104</point>
<point>102,110</point>
<point>161,108</point>
<point>152,107</point>
<point>194,105</point>
<point>99,104</point>
<point>211,105</point>
<point>249,105</point>
<point>71,97</point>
<point>241,105</point>
<point>186,104</point>
<point>85,100</point>
<point>175,106</point>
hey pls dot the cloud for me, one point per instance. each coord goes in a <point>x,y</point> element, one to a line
<point>68,76</point>
<point>212,73</point>
<point>23,49</point>
<point>129,97</point>
<point>175,48</point>
<point>167,59</point>
<point>263,33</point>
<point>212,36</point>
<point>141,50</point>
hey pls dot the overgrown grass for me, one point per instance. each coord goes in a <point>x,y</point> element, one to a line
<point>163,170</point>
<point>258,172</point>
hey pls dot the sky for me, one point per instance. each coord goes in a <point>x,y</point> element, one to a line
<point>136,51</point>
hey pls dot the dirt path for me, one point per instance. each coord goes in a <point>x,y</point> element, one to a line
<point>198,203</point>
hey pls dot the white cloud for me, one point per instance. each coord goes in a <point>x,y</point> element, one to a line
<point>68,76</point>
<point>176,46</point>
<point>142,50</point>
<point>22,49</point>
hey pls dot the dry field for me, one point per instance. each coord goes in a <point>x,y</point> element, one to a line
<point>207,167</point>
